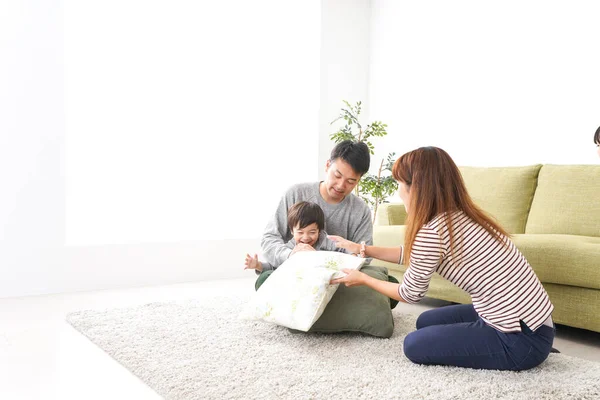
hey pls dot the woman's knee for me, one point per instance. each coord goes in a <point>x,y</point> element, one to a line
<point>412,347</point>
<point>425,319</point>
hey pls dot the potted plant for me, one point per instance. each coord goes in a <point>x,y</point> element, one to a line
<point>373,189</point>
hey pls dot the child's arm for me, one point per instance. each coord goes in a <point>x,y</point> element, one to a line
<point>260,266</point>
<point>257,266</point>
<point>358,278</point>
<point>253,263</point>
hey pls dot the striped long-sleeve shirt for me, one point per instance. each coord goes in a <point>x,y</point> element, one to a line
<point>503,287</point>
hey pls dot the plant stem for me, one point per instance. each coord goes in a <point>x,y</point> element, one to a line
<point>377,197</point>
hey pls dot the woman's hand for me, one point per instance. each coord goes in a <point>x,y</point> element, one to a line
<point>253,263</point>
<point>351,247</point>
<point>353,278</point>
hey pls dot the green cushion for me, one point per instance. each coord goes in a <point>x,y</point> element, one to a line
<point>358,309</point>
<point>504,192</point>
<point>567,201</point>
<point>391,214</point>
<point>575,306</point>
<point>262,278</point>
<point>564,259</point>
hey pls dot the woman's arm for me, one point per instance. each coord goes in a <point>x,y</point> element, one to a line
<point>357,278</point>
<point>389,254</point>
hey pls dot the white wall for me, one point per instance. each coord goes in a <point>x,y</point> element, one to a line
<point>493,83</point>
<point>176,113</point>
<point>450,75</point>
<point>33,138</point>
<point>345,41</point>
<point>32,141</point>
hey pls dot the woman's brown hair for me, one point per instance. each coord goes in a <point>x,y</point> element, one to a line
<point>436,187</point>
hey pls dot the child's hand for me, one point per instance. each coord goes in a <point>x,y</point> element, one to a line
<point>351,247</point>
<point>253,263</point>
<point>302,247</point>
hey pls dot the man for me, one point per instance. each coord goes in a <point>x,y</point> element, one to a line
<point>346,215</point>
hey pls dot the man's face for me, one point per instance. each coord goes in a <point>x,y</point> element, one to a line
<point>598,148</point>
<point>341,179</point>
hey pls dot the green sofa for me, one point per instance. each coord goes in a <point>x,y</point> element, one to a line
<point>553,215</point>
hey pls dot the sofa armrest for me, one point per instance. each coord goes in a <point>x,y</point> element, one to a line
<point>388,236</point>
<point>391,214</point>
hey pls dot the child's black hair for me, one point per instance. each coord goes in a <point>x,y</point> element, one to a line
<point>304,213</point>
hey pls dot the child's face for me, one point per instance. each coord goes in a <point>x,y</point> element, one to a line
<point>309,234</point>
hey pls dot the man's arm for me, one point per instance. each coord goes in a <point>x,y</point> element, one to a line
<point>273,242</point>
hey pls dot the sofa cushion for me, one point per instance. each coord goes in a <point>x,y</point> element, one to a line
<point>391,214</point>
<point>504,192</point>
<point>566,201</point>
<point>562,259</point>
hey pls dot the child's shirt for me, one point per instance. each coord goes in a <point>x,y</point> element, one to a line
<point>323,244</point>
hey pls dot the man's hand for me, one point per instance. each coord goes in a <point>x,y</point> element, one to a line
<point>301,247</point>
<point>253,263</point>
<point>353,278</point>
<point>351,247</point>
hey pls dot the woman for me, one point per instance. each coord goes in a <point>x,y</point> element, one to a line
<point>509,324</point>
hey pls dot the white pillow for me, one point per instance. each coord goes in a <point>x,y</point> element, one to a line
<point>297,292</point>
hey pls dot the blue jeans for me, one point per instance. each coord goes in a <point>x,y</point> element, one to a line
<point>456,335</point>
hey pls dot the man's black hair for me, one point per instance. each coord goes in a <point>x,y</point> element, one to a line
<point>356,154</point>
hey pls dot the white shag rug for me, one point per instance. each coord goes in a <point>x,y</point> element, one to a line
<point>201,350</point>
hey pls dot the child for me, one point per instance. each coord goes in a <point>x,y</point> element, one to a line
<point>308,222</point>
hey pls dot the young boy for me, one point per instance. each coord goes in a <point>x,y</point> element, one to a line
<point>307,222</point>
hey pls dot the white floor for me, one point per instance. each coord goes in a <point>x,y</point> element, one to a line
<point>42,357</point>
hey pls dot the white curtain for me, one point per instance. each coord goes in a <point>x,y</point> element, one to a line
<point>186,120</point>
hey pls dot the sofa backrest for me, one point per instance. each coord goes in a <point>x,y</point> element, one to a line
<point>566,201</point>
<point>504,192</point>
<point>391,214</point>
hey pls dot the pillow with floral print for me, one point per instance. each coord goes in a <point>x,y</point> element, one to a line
<point>297,292</point>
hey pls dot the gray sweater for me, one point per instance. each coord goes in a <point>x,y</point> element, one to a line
<point>350,219</point>
<point>322,244</point>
